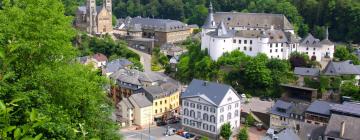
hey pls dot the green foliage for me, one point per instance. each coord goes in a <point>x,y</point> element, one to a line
<point>299,60</point>
<point>256,71</point>
<point>158,60</point>
<point>107,46</point>
<point>350,89</point>
<point>225,131</point>
<point>243,134</point>
<point>204,138</point>
<point>36,66</point>
<point>250,121</point>
<point>343,53</point>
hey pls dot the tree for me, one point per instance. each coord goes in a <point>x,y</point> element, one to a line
<point>36,66</point>
<point>243,134</point>
<point>341,53</point>
<point>299,60</point>
<point>349,89</point>
<point>225,131</point>
<point>250,121</point>
<point>257,74</point>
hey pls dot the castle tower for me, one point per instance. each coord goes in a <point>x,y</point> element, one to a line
<point>91,16</point>
<point>108,5</point>
<point>210,22</point>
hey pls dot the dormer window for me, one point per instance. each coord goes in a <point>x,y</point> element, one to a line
<point>307,42</point>
<point>229,18</point>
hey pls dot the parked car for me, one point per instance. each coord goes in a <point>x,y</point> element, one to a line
<point>161,123</point>
<point>173,120</point>
<point>188,135</point>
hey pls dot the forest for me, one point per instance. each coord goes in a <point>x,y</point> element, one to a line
<point>341,16</point>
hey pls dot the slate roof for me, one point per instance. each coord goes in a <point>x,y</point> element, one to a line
<point>158,91</point>
<point>162,25</point>
<point>128,76</point>
<point>310,40</point>
<point>127,102</point>
<point>116,65</point>
<point>140,100</point>
<point>314,131</point>
<point>299,108</point>
<point>306,71</point>
<point>280,104</point>
<point>81,10</point>
<point>276,36</point>
<point>341,68</point>
<point>352,127</point>
<point>320,107</point>
<point>214,92</point>
<point>256,20</point>
<point>349,108</point>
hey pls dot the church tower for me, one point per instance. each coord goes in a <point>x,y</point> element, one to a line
<point>108,5</point>
<point>91,14</point>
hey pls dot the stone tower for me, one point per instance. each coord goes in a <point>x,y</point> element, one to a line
<point>91,14</point>
<point>108,5</point>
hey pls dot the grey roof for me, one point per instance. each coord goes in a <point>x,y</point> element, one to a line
<point>298,87</point>
<point>292,38</point>
<point>314,131</point>
<point>350,108</point>
<point>130,76</point>
<point>215,92</point>
<point>341,68</point>
<point>221,29</point>
<point>164,89</point>
<point>127,102</point>
<point>162,25</point>
<point>255,20</point>
<point>81,10</point>
<point>141,100</point>
<point>306,71</point>
<point>276,36</point>
<point>352,127</point>
<point>320,107</point>
<point>117,64</point>
<point>310,41</point>
<point>280,104</point>
<point>135,28</point>
<point>299,108</point>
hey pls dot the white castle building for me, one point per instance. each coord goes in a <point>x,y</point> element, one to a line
<point>253,33</point>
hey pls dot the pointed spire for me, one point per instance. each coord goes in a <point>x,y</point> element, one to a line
<point>211,10</point>
<point>210,22</point>
<point>327,33</point>
<point>221,29</point>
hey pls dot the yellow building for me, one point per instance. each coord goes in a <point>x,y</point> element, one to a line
<point>164,98</point>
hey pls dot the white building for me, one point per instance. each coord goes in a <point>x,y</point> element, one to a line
<point>316,49</point>
<point>206,106</point>
<point>253,33</point>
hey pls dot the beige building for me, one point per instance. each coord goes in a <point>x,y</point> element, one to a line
<point>135,110</point>
<point>95,19</point>
<point>145,33</point>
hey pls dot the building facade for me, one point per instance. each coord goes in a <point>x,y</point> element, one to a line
<point>95,19</point>
<point>165,100</point>
<point>206,106</point>
<point>144,33</point>
<point>253,33</point>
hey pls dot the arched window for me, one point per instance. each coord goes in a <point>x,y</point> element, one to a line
<point>186,112</point>
<point>192,113</point>
<point>212,118</point>
<point>186,121</point>
<point>236,113</point>
<point>221,118</point>
<point>206,117</point>
<point>229,116</point>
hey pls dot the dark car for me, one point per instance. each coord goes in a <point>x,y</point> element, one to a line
<point>161,123</point>
<point>173,120</point>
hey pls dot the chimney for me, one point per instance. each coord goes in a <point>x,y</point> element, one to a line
<point>342,129</point>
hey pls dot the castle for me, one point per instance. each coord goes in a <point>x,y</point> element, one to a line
<point>253,33</point>
<point>95,19</point>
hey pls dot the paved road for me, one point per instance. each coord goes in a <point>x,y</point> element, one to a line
<point>145,59</point>
<point>156,133</point>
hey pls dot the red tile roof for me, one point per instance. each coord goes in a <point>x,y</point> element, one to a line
<point>100,57</point>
